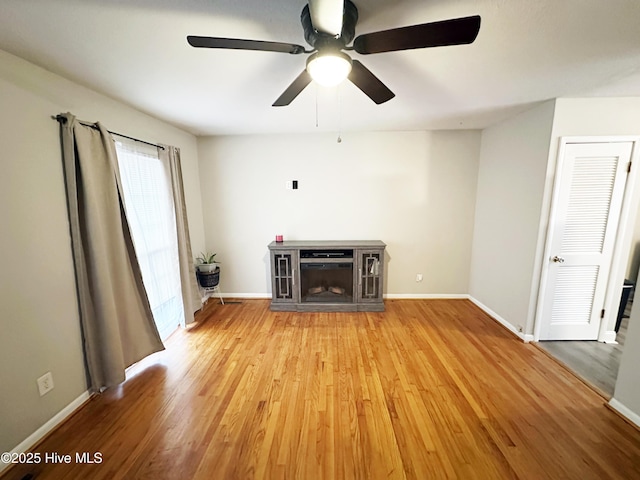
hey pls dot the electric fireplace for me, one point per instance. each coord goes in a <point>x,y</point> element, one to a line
<point>327,275</point>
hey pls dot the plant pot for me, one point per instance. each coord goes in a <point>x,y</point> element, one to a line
<point>209,279</point>
<point>207,267</point>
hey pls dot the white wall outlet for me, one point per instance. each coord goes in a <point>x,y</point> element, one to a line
<point>289,184</point>
<point>45,383</point>
<point>418,277</point>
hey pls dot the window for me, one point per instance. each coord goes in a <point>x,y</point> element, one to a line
<point>151,215</point>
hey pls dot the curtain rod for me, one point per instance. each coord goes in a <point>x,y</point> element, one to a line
<point>61,119</point>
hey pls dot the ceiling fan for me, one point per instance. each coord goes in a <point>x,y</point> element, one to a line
<point>329,26</point>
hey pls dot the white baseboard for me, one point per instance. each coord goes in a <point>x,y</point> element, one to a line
<point>610,337</point>
<point>391,296</point>
<point>247,295</point>
<point>624,411</point>
<point>420,296</point>
<point>415,296</point>
<point>525,337</point>
<point>53,422</point>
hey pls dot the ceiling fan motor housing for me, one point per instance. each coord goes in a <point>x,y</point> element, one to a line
<point>329,61</point>
<point>319,40</point>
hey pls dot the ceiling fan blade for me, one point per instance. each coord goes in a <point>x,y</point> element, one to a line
<point>326,16</point>
<point>293,90</point>
<point>457,31</point>
<point>239,44</point>
<point>371,85</point>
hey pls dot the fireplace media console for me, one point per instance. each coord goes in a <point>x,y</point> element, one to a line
<point>327,276</point>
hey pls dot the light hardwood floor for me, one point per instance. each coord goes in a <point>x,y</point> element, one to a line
<point>428,389</point>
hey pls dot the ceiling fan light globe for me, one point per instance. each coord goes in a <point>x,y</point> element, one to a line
<point>329,69</point>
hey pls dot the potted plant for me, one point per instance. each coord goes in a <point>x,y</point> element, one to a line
<point>208,270</point>
<point>206,262</point>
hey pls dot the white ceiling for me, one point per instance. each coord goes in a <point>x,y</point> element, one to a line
<point>136,51</point>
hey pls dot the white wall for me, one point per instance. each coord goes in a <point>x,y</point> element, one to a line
<point>515,180</point>
<point>413,190</point>
<point>627,390</point>
<point>601,117</point>
<point>39,325</point>
<point>633,264</point>
<point>608,116</point>
<point>511,183</point>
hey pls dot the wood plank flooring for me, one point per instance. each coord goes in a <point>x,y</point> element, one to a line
<point>428,389</point>
<point>596,362</point>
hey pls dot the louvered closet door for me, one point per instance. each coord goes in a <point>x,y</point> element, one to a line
<point>585,220</point>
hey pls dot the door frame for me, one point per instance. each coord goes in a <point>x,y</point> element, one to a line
<point>624,234</point>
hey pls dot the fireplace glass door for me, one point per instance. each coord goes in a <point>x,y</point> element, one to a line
<point>284,276</point>
<point>326,282</point>
<point>370,275</point>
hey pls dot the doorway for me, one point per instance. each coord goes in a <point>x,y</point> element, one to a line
<point>586,256</point>
<point>590,186</point>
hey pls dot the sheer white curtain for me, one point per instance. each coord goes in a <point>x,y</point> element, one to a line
<point>149,206</point>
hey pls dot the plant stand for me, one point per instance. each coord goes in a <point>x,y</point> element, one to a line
<point>209,281</point>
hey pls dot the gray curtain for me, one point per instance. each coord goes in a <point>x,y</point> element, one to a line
<point>117,324</point>
<point>190,292</point>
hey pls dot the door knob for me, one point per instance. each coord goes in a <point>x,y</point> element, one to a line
<point>557,259</point>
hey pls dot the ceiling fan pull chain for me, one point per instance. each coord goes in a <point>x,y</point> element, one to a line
<point>316,86</point>
<point>338,99</point>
